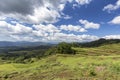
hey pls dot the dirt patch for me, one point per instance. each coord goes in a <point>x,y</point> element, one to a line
<point>100,68</point>
<point>65,74</point>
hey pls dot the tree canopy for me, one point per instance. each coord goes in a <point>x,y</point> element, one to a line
<point>65,48</point>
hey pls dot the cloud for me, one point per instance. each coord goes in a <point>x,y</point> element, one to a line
<point>47,28</point>
<point>16,6</point>
<point>46,33</point>
<point>6,28</point>
<point>112,37</point>
<point>83,2</point>
<point>60,37</point>
<point>112,7</point>
<point>74,6</point>
<point>115,20</point>
<point>72,28</point>
<point>2,18</point>
<point>67,17</point>
<point>80,3</point>
<point>23,38</point>
<point>9,31</point>
<point>36,11</point>
<point>89,25</point>
<point>42,15</point>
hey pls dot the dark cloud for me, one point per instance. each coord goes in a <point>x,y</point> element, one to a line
<point>23,7</point>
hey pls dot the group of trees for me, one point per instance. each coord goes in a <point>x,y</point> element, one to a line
<point>22,54</point>
<point>61,48</point>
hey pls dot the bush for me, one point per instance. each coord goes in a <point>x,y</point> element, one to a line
<point>65,48</point>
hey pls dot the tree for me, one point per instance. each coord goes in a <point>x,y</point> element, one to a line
<point>65,48</point>
<point>50,51</point>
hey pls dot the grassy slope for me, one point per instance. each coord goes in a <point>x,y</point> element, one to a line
<point>85,65</point>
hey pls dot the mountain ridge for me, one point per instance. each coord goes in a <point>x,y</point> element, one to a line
<point>21,43</point>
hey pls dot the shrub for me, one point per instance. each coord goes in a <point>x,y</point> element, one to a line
<point>65,48</point>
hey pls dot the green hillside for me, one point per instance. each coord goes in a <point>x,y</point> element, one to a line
<point>98,63</point>
<point>109,49</point>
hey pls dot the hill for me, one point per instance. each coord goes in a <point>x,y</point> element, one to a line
<point>91,63</point>
<point>97,43</point>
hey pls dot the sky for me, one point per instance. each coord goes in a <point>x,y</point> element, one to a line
<point>59,20</point>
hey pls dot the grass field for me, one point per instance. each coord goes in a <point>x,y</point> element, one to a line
<point>99,63</point>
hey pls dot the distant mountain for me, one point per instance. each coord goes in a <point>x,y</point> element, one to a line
<point>85,44</point>
<point>22,43</point>
<point>99,42</point>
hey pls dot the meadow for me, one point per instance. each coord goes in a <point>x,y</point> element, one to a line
<point>98,63</point>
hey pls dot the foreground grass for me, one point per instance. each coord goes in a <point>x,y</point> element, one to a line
<point>101,63</point>
<point>65,67</point>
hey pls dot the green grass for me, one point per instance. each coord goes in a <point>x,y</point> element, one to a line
<point>111,49</point>
<point>67,67</point>
<point>100,63</point>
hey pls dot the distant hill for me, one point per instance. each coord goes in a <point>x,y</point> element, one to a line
<point>96,43</point>
<point>99,42</point>
<point>9,44</point>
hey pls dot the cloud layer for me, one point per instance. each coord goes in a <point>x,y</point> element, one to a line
<point>48,33</point>
<point>41,14</point>
<point>41,17</point>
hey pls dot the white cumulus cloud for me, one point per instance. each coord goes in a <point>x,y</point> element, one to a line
<point>89,25</point>
<point>115,20</point>
<point>72,28</point>
<point>6,28</point>
<point>111,7</point>
<point>82,2</point>
<point>112,37</point>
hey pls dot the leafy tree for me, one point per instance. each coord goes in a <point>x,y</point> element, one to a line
<point>50,51</point>
<point>65,48</point>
